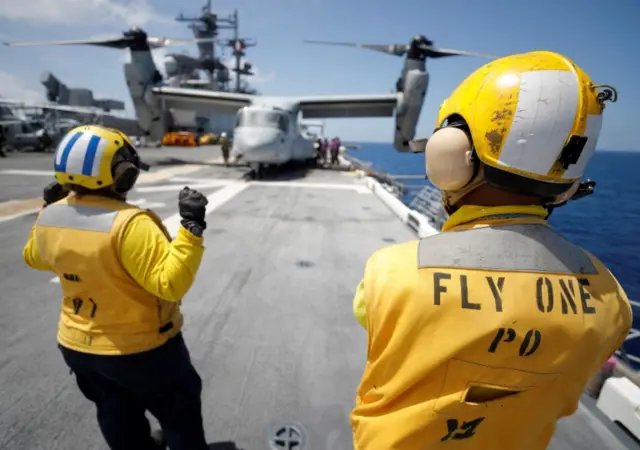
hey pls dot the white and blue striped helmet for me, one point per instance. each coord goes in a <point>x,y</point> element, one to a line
<point>85,155</point>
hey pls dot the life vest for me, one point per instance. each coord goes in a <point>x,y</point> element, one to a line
<point>104,311</point>
<point>482,336</point>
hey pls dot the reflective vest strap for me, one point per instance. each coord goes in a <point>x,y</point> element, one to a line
<point>77,217</point>
<point>126,215</point>
<point>517,247</point>
<point>120,225</point>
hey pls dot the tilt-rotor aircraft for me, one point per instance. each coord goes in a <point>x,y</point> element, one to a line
<point>268,129</point>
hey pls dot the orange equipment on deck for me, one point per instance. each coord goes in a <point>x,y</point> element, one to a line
<point>208,139</point>
<point>181,138</point>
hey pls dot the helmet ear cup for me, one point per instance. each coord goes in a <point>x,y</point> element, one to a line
<point>125,175</point>
<point>449,159</point>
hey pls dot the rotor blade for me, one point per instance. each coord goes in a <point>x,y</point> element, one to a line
<point>433,52</point>
<point>159,42</point>
<point>116,42</point>
<point>393,49</point>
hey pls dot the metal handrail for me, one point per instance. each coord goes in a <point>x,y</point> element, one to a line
<point>395,187</point>
<point>428,202</point>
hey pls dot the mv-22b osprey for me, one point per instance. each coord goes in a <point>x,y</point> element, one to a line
<point>268,129</point>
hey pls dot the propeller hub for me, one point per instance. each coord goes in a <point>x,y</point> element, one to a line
<point>136,33</point>
<point>418,48</point>
<point>420,39</point>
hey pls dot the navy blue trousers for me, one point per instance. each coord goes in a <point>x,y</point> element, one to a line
<point>162,381</point>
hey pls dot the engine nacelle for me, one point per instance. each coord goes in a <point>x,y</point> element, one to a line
<point>409,107</point>
<point>148,110</point>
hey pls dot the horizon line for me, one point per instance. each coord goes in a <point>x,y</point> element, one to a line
<point>391,143</point>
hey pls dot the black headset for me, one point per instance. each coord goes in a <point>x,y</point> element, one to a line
<point>126,167</point>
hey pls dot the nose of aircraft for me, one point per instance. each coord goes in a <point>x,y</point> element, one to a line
<point>257,144</point>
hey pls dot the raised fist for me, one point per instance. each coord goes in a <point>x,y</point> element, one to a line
<point>192,208</point>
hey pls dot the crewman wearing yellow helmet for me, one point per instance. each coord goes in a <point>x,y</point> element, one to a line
<point>122,281</point>
<point>484,335</point>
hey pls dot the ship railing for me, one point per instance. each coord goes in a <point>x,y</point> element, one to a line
<point>428,202</point>
<point>387,181</point>
<point>357,163</point>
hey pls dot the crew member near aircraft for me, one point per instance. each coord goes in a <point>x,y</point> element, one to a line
<point>320,151</point>
<point>225,146</point>
<point>484,335</point>
<point>122,281</point>
<point>335,150</point>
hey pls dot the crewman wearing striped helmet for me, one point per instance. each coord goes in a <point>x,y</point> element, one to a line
<point>122,281</point>
<point>484,335</point>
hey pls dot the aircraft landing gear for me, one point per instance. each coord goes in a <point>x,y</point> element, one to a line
<point>257,171</point>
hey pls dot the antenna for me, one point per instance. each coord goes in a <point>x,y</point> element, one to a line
<point>238,46</point>
<point>207,26</point>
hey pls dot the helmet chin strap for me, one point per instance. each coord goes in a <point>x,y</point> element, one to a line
<point>565,197</point>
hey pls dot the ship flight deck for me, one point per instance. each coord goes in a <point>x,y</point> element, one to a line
<point>268,321</point>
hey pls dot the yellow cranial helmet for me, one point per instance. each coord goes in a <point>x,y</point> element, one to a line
<point>86,156</point>
<point>532,119</point>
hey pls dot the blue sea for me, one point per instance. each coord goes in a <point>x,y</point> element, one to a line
<point>606,223</point>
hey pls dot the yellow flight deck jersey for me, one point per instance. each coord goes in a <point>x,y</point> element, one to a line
<point>122,278</point>
<point>483,336</point>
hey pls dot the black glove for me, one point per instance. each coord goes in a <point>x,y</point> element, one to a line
<point>53,192</point>
<point>192,207</point>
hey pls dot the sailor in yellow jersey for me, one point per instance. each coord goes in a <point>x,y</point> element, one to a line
<point>122,281</point>
<point>483,336</point>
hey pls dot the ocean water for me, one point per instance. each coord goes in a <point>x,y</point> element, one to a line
<point>606,223</point>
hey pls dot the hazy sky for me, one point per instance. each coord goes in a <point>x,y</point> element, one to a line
<point>604,40</point>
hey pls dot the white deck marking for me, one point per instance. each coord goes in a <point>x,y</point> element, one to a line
<point>352,187</point>
<point>197,182</point>
<point>35,173</point>
<point>162,174</point>
<point>149,177</point>
<point>14,209</point>
<point>145,177</point>
<point>179,187</point>
<point>201,180</point>
<point>217,199</point>
<point>20,214</point>
<point>147,205</point>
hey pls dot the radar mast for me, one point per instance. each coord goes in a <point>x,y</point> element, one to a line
<point>207,26</point>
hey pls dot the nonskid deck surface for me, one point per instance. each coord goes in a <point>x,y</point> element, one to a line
<point>268,320</point>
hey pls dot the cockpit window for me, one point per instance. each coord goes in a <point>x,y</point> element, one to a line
<point>271,119</point>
